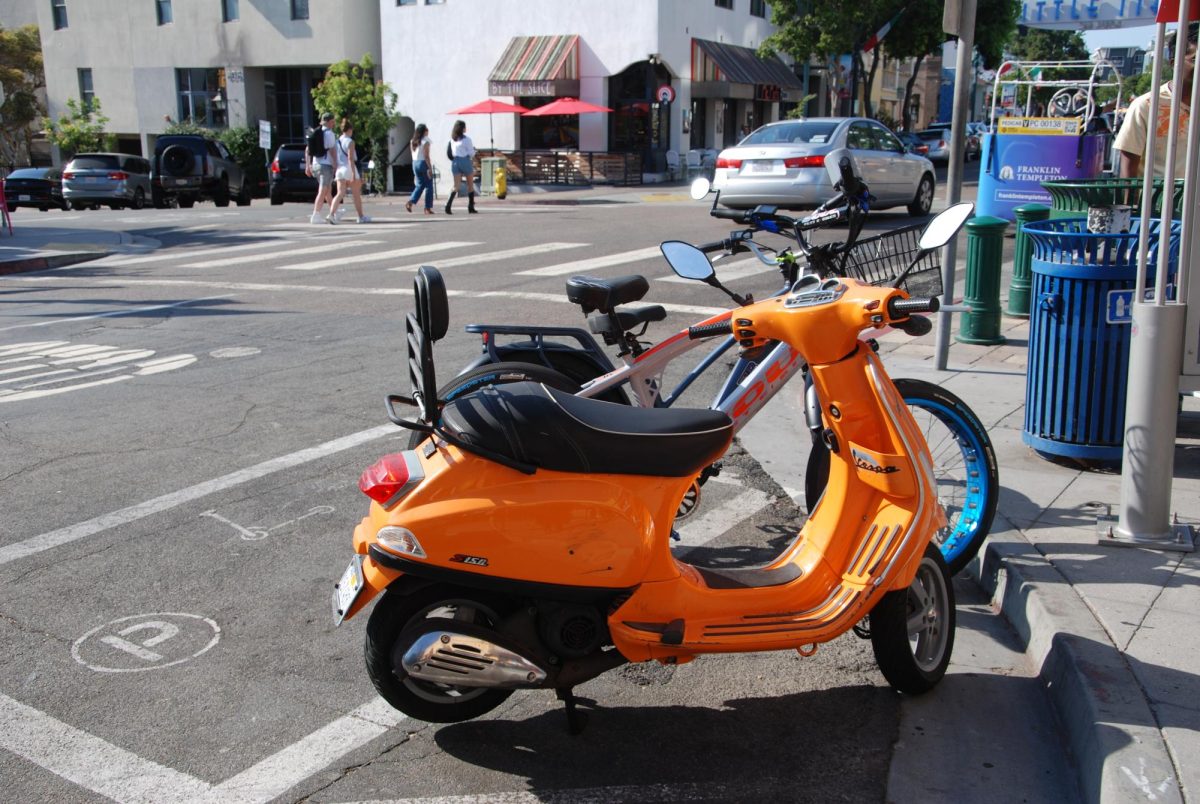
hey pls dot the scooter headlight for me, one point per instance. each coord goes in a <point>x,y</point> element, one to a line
<point>399,541</point>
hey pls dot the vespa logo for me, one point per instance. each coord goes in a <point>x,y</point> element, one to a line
<point>865,462</point>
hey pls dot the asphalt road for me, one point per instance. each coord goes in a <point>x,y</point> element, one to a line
<point>182,433</point>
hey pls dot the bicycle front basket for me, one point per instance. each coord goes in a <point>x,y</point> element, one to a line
<point>879,260</point>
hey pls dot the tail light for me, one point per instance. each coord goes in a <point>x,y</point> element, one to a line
<point>391,477</point>
<point>68,174</point>
<point>275,166</point>
<point>118,175</point>
<point>941,143</point>
<point>805,162</point>
<point>726,162</point>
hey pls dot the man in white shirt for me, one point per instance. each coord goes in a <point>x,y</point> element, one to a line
<point>1131,139</point>
<point>323,165</point>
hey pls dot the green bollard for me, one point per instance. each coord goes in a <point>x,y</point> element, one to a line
<point>1022,278</point>
<point>985,246</point>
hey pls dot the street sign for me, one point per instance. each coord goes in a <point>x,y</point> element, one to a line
<point>264,134</point>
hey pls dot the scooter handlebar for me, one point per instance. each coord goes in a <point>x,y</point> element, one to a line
<point>901,308</point>
<point>710,330</point>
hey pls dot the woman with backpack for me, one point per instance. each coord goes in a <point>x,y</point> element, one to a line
<point>422,171</point>
<point>461,152</point>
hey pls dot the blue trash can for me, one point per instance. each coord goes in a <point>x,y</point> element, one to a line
<point>1079,333</point>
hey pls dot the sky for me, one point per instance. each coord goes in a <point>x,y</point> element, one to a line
<point>1120,37</point>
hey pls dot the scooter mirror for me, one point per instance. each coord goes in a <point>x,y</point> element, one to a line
<point>700,188</point>
<point>945,226</point>
<point>840,165</point>
<point>687,260</point>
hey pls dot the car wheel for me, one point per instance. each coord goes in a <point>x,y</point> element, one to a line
<point>276,199</point>
<point>221,196</point>
<point>139,198</point>
<point>187,201</point>
<point>243,199</point>
<point>923,201</point>
<point>66,206</point>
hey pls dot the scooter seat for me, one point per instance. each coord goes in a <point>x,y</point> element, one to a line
<point>595,293</point>
<point>548,429</point>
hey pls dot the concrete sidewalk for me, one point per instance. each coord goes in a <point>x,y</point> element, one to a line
<point>38,248</point>
<point>1110,630</point>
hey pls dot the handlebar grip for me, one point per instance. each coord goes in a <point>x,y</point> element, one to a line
<point>710,330</point>
<point>738,215</point>
<point>901,308</point>
<point>716,245</point>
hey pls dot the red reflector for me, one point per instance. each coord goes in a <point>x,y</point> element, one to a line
<point>383,480</point>
<point>68,174</point>
<point>805,162</point>
<point>275,166</point>
<point>118,175</point>
<point>724,162</point>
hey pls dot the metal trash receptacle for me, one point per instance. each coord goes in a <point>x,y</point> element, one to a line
<point>1072,198</point>
<point>1079,334</point>
<point>487,173</point>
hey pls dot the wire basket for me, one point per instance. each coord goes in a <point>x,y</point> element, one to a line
<point>879,260</point>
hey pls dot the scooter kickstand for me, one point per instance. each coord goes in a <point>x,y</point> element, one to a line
<point>576,720</point>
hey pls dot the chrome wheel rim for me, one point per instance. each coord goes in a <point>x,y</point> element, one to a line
<point>928,616</point>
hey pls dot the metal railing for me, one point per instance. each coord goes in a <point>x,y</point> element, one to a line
<point>570,167</point>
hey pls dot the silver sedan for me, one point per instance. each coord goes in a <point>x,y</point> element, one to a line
<point>784,164</point>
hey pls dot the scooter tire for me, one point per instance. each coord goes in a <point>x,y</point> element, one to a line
<point>392,616</point>
<point>913,662</point>
<point>499,374</point>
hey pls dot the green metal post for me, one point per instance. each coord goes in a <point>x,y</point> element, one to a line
<point>1022,278</point>
<point>985,246</point>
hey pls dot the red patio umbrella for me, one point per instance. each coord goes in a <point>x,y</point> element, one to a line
<point>566,106</point>
<point>490,107</point>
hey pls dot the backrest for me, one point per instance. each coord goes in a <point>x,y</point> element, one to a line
<point>693,158</point>
<point>672,159</point>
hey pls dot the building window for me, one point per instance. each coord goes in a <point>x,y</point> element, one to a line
<point>164,11</point>
<point>758,8</point>
<point>86,92</point>
<point>434,2</point>
<point>406,2</point>
<point>58,8</point>
<point>299,9</point>
<point>229,11</point>
<point>725,4</point>
<point>196,89</point>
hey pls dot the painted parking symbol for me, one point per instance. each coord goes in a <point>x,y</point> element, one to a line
<point>143,642</point>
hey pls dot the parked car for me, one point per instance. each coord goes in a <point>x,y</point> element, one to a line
<point>938,140</point>
<point>912,143</point>
<point>973,144</point>
<point>783,164</point>
<point>286,178</point>
<point>38,187</point>
<point>191,168</point>
<point>115,180</point>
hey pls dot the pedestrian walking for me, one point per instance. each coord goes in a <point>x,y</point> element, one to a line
<point>462,154</point>
<point>422,169</point>
<point>1131,139</point>
<point>320,160</point>
<point>348,177</point>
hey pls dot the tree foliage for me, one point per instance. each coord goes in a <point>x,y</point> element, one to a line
<point>350,91</point>
<point>22,74</point>
<point>1039,44</point>
<point>80,130</point>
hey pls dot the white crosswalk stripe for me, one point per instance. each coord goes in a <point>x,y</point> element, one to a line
<point>637,255</point>
<point>495,256</point>
<point>379,256</point>
<point>729,271</point>
<point>267,240</point>
<point>242,259</point>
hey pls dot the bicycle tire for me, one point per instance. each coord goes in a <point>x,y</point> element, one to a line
<point>498,374</point>
<point>969,494</point>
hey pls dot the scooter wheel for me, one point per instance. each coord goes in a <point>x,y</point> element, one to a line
<point>912,630</point>
<point>396,613</point>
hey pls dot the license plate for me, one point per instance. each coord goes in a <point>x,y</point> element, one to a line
<point>181,181</point>
<point>764,165</point>
<point>345,592</point>
<point>24,198</point>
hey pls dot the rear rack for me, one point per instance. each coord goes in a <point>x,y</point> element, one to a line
<point>879,260</point>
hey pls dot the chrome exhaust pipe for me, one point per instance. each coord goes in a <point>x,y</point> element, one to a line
<point>462,660</point>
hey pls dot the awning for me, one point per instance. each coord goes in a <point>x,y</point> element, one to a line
<point>545,66</point>
<point>714,61</point>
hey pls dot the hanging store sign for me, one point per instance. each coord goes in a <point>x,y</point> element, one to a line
<point>767,92</point>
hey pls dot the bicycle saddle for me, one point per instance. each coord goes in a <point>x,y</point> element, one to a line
<point>594,293</point>
<point>549,429</point>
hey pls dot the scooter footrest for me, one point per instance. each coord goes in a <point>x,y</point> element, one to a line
<point>673,633</point>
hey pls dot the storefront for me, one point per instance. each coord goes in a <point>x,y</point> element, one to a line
<point>734,91</point>
<point>535,70</point>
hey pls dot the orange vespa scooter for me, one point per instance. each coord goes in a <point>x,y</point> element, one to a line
<point>525,543</point>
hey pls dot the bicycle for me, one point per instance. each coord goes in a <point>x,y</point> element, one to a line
<point>965,462</point>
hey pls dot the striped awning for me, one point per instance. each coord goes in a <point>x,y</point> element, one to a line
<point>539,58</point>
<point>714,61</point>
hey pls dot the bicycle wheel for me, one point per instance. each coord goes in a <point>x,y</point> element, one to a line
<point>964,468</point>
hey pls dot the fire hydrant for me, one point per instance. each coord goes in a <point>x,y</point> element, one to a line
<point>501,182</point>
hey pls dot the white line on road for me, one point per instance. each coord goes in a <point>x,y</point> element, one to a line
<point>757,790</point>
<point>494,256</point>
<point>114,313</point>
<point>377,256</point>
<point>730,271</point>
<point>81,530</point>
<point>241,259</point>
<point>596,262</point>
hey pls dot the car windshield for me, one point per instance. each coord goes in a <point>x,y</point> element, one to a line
<point>932,134</point>
<point>94,163</point>
<point>28,173</point>
<point>801,131</point>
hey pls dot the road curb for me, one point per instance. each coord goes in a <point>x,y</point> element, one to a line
<point>47,262</point>
<point>1111,732</point>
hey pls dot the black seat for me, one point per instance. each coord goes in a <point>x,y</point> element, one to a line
<point>548,429</point>
<point>594,293</point>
